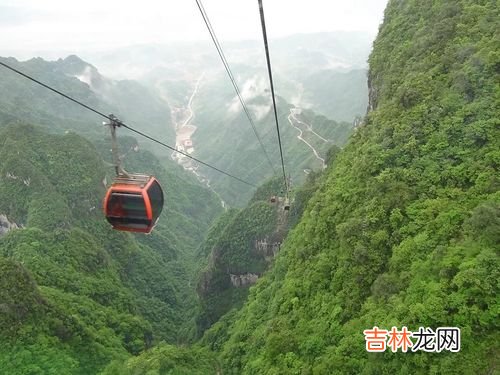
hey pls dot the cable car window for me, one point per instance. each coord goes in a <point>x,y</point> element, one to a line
<point>156,198</point>
<point>127,205</point>
<point>129,223</point>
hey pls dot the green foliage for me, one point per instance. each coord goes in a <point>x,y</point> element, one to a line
<point>272,187</point>
<point>76,294</point>
<point>19,296</point>
<point>232,248</point>
<point>235,149</point>
<point>233,251</point>
<point>167,360</point>
<point>41,172</point>
<point>403,229</point>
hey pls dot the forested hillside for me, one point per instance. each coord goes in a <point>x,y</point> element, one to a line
<point>405,231</point>
<point>235,261</point>
<point>26,101</point>
<point>242,245</point>
<point>75,293</point>
<point>225,137</point>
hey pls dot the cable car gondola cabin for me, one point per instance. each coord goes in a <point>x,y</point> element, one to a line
<point>273,199</point>
<point>133,203</point>
<point>286,207</point>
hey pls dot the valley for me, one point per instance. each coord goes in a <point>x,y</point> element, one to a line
<point>184,130</point>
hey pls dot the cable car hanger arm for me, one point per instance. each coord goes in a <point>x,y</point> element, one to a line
<point>113,124</point>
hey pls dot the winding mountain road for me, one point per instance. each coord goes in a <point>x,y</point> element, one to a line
<point>291,119</point>
<point>190,103</point>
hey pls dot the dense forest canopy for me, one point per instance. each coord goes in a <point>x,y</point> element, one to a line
<point>405,229</point>
<point>76,294</point>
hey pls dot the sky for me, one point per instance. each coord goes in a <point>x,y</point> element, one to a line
<point>50,28</point>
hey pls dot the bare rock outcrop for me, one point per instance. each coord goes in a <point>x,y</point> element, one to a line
<point>6,225</point>
<point>244,280</point>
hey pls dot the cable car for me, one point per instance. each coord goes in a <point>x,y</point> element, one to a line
<point>133,203</point>
<point>273,199</point>
<point>287,205</point>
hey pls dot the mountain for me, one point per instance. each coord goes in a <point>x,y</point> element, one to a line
<point>135,104</point>
<point>315,75</point>
<point>400,230</point>
<point>76,294</point>
<point>403,232</point>
<point>243,244</point>
<point>225,138</point>
<point>403,229</point>
<point>239,248</point>
<point>301,64</point>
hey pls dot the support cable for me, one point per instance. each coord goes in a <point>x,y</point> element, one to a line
<point>119,123</point>
<point>264,35</point>
<point>231,77</point>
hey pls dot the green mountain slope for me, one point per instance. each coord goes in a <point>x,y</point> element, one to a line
<point>26,101</point>
<point>77,294</point>
<point>242,245</point>
<point>402,229</point>
<point>235,261</point>
<point>405,230</point>
<point>225,138</point>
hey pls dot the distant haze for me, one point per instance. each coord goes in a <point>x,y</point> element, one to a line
<point>55,28</point>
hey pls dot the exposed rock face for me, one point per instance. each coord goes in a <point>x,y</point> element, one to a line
<point>372,93</point>
<point>12,176</point>
<point>244,280</point>
<point>268,248</point>
<point>6,225</point>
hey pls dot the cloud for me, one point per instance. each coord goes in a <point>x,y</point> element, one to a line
<point>259,111</point>
<point>62,25</point>
<point>13,15</point>
<point>85,76</point>
<point>251,88</point>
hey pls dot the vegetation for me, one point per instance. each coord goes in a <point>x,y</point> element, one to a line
<point>77,294</point>
<point>405,229</point>
<point>234,253</point>
<point>167,359</point>
<point>238,151</point>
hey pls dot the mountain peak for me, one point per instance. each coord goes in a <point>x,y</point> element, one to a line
<point>73,65</point>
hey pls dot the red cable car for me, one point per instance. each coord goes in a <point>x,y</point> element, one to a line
<point>133,203</point>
